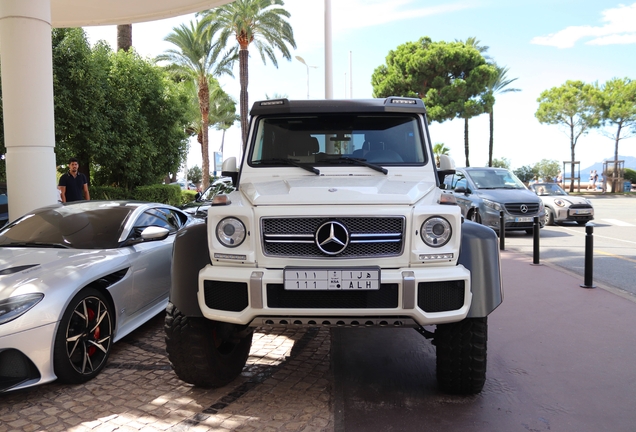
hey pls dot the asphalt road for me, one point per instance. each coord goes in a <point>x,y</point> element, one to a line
<point>614,239</point>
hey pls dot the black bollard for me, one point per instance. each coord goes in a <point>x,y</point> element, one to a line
<point>535,240</point>
<point>589,256</point>
<point>502,231</point>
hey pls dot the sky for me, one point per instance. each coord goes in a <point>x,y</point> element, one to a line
<point>544,43</point>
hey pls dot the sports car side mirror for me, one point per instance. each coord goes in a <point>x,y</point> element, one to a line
<point>154,233</point>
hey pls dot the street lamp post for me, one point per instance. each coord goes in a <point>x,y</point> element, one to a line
<point>302,60</point>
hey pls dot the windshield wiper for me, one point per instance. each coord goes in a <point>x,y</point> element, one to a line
<point>288,161</point>
<point>362,162</point>
<point>36,244</point>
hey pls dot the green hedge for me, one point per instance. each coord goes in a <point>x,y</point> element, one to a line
<point>630,175</point>
<point>166,194</point>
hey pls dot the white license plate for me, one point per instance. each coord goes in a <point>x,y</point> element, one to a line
<point>359,278</point>
<point>581,212</point>
<point>523,219</point>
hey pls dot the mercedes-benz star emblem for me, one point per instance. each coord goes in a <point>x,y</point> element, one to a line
<point>332,237</point>
<point>523,208</point>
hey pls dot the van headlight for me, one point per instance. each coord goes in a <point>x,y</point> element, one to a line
<point>493,205</point>
<point>230,232</point>
<point>436,231</point>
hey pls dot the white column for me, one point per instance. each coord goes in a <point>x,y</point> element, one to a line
<point>27,93</point>
<point>328,53</point>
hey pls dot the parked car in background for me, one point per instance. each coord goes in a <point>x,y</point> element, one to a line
<point>185,185</point>
<point>202,202</point>
<point>561,207</point>
<point>482,193</point>
<point>77,277</point>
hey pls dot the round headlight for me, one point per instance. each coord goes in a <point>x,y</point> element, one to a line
<point>230,232</point>
<point>559,202</point>
<point>436,231</point>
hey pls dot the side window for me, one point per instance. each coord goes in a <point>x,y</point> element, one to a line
<point>454,181</point>
<point>158,217</point>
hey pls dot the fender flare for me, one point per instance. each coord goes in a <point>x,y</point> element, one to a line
<point>479,253</point>
<point>190,254</point>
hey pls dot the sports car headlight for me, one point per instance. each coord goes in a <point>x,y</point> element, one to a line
<point>436,231</point>
<point>559,202</point>
<point>230,232</point>
<point>13,307</point>
<point>493,205</point>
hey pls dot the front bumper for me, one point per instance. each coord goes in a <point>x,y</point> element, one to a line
<point>407,296</point>
<point>492,219</point>
<point>26,358</point>
<point>573,215</point>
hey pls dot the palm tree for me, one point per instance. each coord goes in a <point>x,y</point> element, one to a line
<point>474,43</point>
<point>260,21</point>
<point>197,57</point>
<point>497,86</point>
<point>124,37</point>
<point>222,110</point>
<point>438,150</point>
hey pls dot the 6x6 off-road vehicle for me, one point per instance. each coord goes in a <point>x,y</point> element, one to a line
<point>338,218</point>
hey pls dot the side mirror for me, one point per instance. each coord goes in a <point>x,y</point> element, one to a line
<point>229,169</point>
<point>446,167</point>
<point>463,190</point>
<point>154,233</point>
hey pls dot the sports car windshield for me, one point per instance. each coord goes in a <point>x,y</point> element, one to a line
<point>495,179</point>
<point>76,226</point>
<point>307,141</point>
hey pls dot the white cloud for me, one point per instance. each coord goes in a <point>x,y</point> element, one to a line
<point>620,28</point>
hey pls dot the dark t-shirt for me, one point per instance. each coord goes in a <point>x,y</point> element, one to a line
<point>74,186</point>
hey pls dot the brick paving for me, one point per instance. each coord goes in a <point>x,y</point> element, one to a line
<point>285,386</point>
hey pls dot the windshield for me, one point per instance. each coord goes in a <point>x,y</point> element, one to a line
<point>548,189</point>
<point>325,139</point>
<point>494,179</point>
<point>76,226</point>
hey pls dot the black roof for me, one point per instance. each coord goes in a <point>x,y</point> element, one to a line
<point>286,106</point>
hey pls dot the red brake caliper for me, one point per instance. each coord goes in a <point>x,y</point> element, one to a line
<point>91,317</point>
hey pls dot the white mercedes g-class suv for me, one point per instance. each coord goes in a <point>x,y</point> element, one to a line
<point>338,219</point>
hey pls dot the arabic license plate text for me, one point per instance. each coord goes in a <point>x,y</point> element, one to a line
<point>361,278</point>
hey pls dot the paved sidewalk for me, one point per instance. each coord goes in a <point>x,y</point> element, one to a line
<point>139,392</point>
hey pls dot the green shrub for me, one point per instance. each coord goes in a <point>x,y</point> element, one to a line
<point>109,193</point>
<point>166,194</point>
<point>630,175</point>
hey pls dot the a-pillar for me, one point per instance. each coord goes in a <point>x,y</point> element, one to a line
<point>27,103</point>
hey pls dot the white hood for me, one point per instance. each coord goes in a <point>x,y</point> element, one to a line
<point>317,190</point>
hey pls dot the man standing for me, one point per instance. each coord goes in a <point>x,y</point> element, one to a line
<point>73,185</point>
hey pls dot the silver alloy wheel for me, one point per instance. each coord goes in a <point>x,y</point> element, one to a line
<point>89,335</point>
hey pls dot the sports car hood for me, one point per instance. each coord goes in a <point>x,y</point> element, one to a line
<point>20,266</point>
<point>333,190</point>
<point>508,195</point>
<point>567,198</point>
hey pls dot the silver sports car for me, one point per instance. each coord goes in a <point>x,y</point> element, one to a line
<point>74,279</point>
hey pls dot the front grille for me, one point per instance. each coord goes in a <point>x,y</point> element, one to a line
<point>580,206</point>
<point>385,297</point>
<point>515,208</point>
<point>440,296</point>
<point>226,296</point>
<point>369,237</point>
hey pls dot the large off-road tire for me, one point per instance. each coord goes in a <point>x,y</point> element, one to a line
<point>461,356</point>
<point>84,337</point>
<point>203,352</point>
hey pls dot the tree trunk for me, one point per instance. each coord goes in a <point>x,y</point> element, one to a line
<point>243,75</point>
<point>490,142</point>
<point>466,140</point>
<point>124,37</point>
<point>615,175</point>
<point>572,144</point>
<point>204,105</point>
